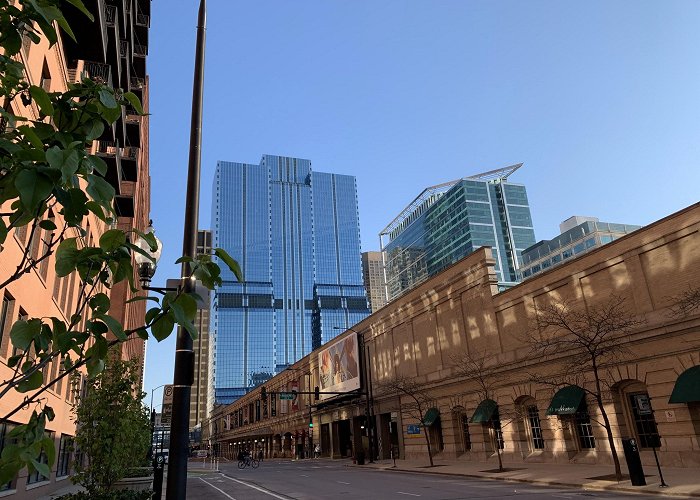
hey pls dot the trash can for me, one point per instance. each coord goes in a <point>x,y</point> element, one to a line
<point>634,462</point>
<point>360,458</point>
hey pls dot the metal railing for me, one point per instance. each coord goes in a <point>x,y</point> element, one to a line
<point>140,50</point>
<point>95,71</point>
<point>130,152</point>
<point>123,48</point>
<point>137,83</point>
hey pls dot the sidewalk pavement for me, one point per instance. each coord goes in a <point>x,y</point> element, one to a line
<point>683,482</point>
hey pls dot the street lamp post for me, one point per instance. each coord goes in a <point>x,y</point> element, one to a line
<point>367,376</point>
<point>308,403</point>
<point>184,354</point>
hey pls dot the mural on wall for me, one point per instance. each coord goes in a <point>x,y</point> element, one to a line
<point>339,367</point>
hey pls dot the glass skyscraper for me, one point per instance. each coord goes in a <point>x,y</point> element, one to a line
<point>295,233</point>
<point>449,221</point>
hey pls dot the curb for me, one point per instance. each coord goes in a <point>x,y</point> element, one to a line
<point>544,482</point>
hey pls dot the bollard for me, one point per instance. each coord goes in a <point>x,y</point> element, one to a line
<point>158,477</point>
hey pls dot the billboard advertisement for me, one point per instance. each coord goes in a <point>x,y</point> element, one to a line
<point>339,367</point>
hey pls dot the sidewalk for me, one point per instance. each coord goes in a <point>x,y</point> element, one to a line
<point>683,482</point>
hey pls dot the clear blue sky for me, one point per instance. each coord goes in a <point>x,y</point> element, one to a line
<point>599,99</point>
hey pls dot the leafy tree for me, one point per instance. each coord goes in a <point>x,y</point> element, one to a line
<point>584,340</point>
<point>113,427</point>
<point>50,184</point>
<point>415,401</point>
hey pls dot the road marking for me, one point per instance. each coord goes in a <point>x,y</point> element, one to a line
<point>261,490</point>
<point>219,489</point>
<point>342,482</point>
<point>404,493</point>
<point>304,475</point>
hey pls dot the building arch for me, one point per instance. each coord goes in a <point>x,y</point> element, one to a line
<point>460,426</point>
<point>634,413</point>
<point>528,424</point>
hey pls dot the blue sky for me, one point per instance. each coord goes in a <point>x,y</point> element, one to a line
<point>598,99</point>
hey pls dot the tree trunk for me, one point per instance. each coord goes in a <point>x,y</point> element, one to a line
<point>606,421</point>
<point>427,442</point>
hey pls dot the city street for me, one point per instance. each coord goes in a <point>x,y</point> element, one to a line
<point>325,479</point>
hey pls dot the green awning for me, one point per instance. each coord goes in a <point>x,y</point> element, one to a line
<point>430,416</point>
<point>687,388</point>
<point>566,401</point>
<point>484,412</point>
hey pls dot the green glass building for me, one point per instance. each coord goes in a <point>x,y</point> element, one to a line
<point>449,221</point>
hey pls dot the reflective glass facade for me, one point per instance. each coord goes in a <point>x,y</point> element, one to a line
<point>295,233</point>
<point>451,224</point>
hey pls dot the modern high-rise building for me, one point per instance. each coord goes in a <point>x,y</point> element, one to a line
<point>579,235</point>
<point>295,234</point>
<point>373,275</point>
<point>449,221</point>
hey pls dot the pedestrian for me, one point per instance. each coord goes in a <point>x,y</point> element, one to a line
<point>317,450</point>
<point>260,455</point>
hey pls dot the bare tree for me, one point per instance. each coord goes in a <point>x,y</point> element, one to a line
<point>415,401</point>
<point>585,341</point>
<point>686,303</point>
<point>481,369</point>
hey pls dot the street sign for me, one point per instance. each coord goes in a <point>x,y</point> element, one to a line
<point>287,395</point>
<point>413,430</point>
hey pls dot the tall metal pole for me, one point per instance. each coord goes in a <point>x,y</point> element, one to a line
<point>184,355</point>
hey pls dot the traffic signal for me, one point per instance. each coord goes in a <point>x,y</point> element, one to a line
<point>316,393</point>
<point>311,424</point>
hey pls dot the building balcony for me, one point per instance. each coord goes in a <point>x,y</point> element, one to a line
<point>111,155</point>
<point>129,162</point>
<point>91,37</point>
<point>139,60</point>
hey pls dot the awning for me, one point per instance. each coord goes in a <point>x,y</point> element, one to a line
<point>430,416</point>
<point>566,401</point>
<point>484,412</point>
<point>687,388</point>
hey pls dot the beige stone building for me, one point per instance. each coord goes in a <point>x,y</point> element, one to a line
<point>373,278</point>
<point>461,310</point>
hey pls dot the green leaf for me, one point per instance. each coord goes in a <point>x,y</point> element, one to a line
<point>32,382</point>
<point>107,98</point>
<point>81,7</point>
<point>142,333</point>
<point>94,129</point>
<point>24,332</point>
<point>112,239</point>
<point>98,164</point>
<point>100,190</point>
<point>42,100</point>
<point>162,328</point>
<point>31,136</point>
<point>114,326</point>
<point>100,303</point>
<point>95,366</point>
<point>184,309</point>
<point>228,260</point>
<point>139,298</point>
<point>184,259</point>
<point>47,224</point>
<point>33,188</point>
<point>66,257</point>
<point>134,101</point>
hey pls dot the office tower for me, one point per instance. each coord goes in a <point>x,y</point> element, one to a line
<point>200,387</point>
<point>579,235</point>
<point>448,221</point>
<point>373,276</point>
<point>111,50</point>
<point>295,234</point>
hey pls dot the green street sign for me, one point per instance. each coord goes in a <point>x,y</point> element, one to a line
<point>287,395</point>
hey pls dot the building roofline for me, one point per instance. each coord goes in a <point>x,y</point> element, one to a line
<point>499,173</point>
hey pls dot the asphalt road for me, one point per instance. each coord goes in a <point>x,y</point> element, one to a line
<point>326,479</point>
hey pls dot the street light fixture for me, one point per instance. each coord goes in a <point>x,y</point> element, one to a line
<point>147,266</point>
<point>368,389</point>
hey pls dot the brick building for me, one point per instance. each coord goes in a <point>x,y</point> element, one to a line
<point>653,391</point>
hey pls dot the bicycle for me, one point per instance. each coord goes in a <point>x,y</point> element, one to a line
<point>242,464</point>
